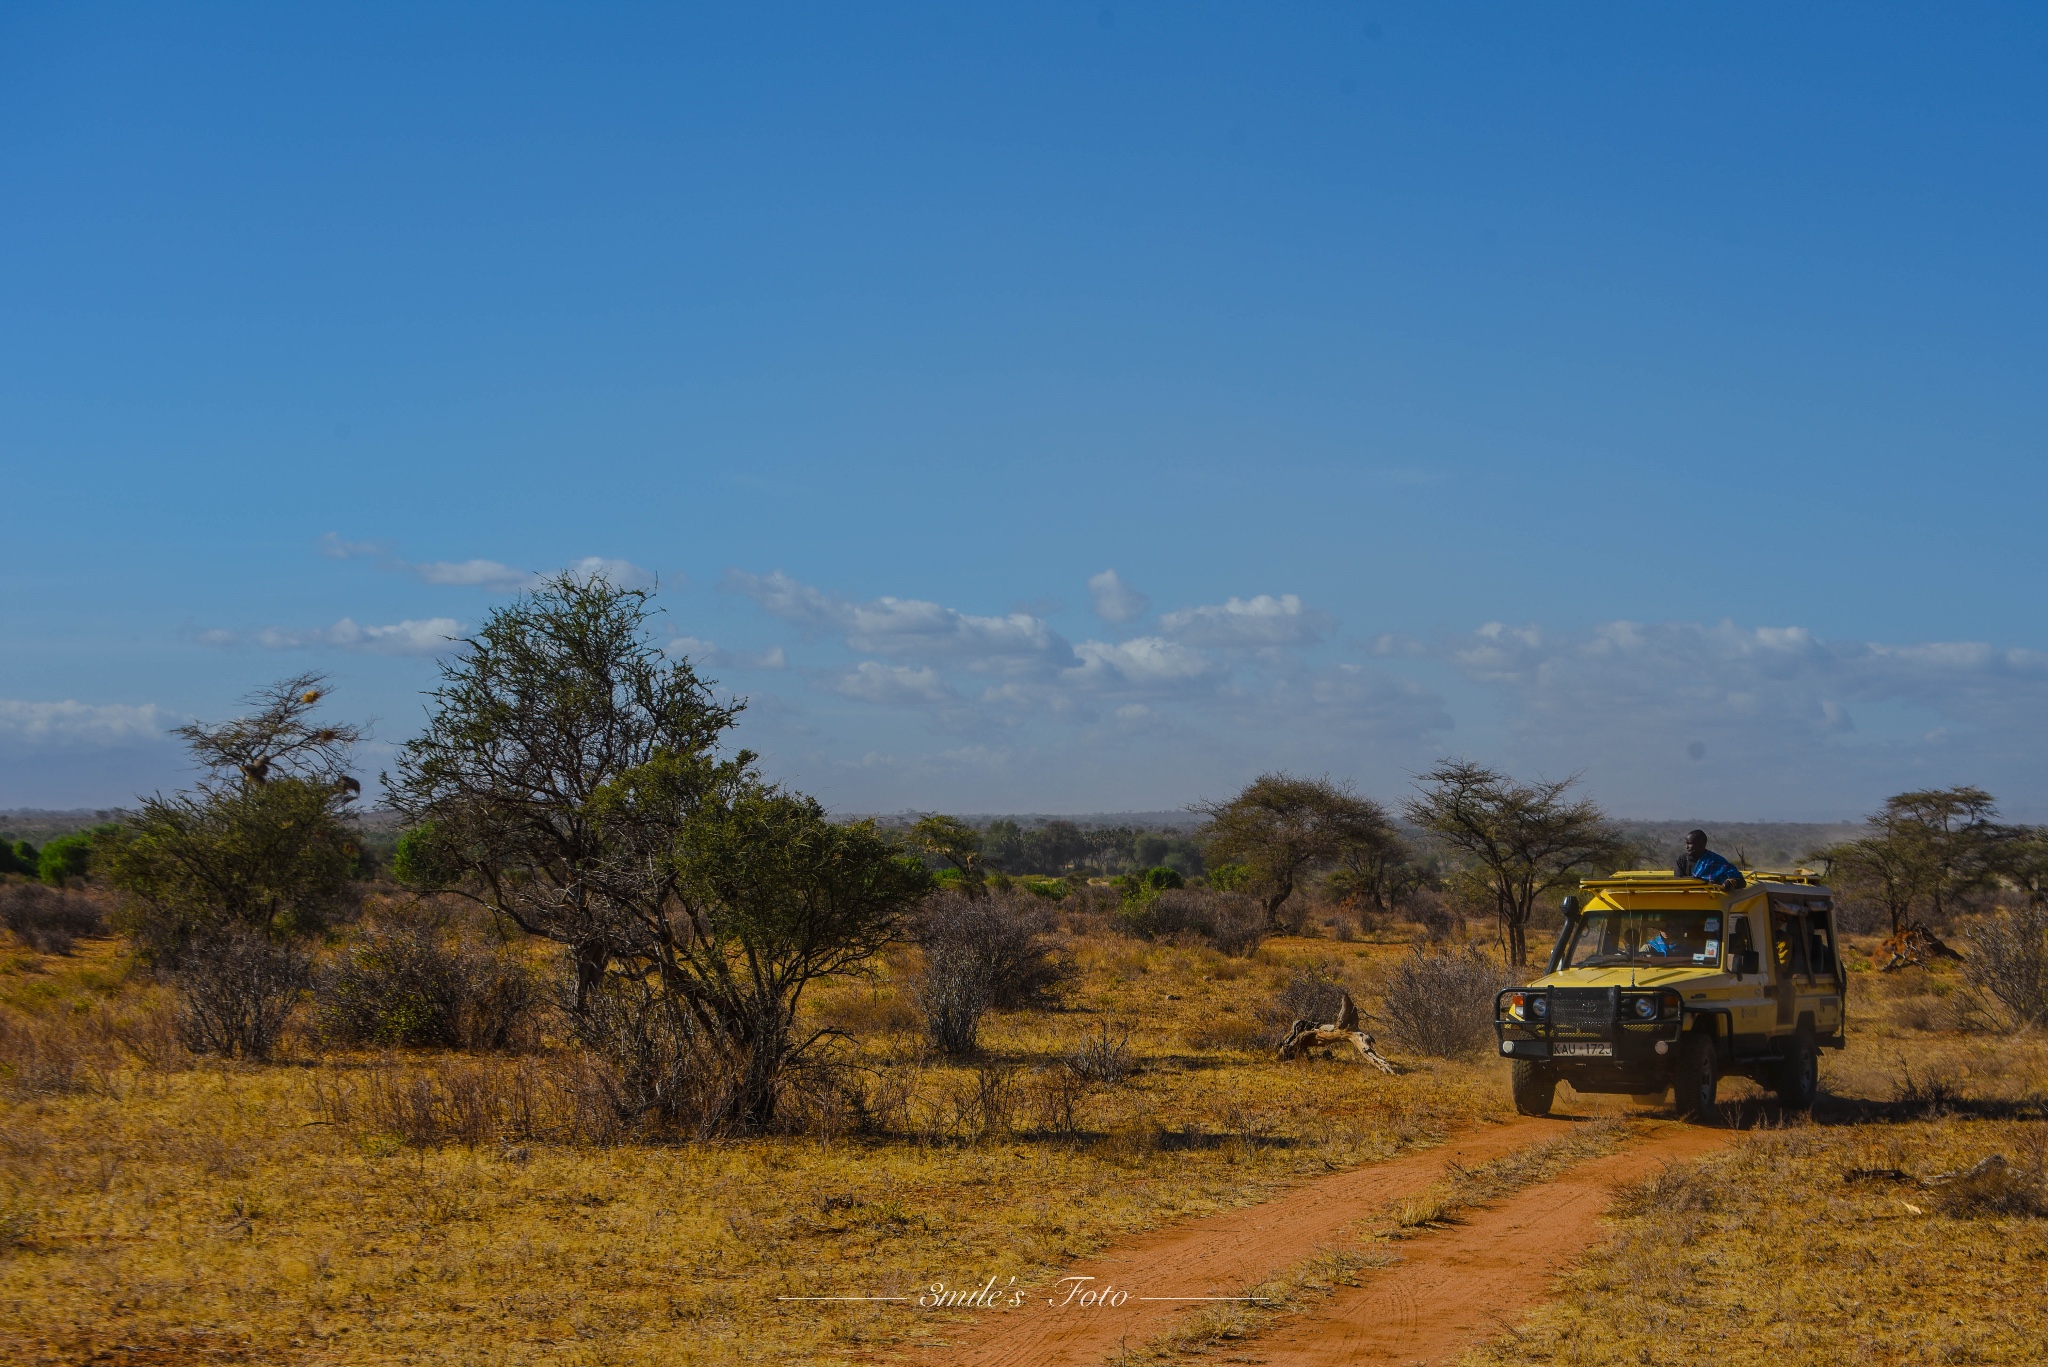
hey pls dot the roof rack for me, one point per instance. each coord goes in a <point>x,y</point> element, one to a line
<point>1805,876</point>
<point>1650,878</point>
<point>1657,880</point>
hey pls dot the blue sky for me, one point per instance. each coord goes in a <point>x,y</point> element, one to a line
<point>1642,391</point>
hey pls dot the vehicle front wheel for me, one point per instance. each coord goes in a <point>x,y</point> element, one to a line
<point>1699,1074</point>
<point>1535,1087</point>
<point>1798,1074</point>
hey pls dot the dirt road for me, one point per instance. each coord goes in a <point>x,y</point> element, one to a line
<point>1464,1284</point>
<point>1450,1289</point>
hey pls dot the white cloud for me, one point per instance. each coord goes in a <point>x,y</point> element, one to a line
<point>475,574</point>
<point>1263,621</point>
<point>1142,661</point>
<point>502,578</point>
<point>334,548</point>
<point>780,595</point>
<point>434,636</point>
<point>710,655</point>
<point>1116,601</point>
<point>1772,710</point>
<point>82,724</point>
<point>622,573</point>
<point>893,685</point>
<point>493,575</point>
<point>911,628</point>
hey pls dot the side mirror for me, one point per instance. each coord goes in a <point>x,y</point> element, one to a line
<point>1744,961</point>
<point>1570,907</point>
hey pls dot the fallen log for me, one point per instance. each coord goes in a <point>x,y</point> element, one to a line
<point>1302,1037</point>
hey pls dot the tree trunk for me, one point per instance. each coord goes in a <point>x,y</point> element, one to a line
<point>1283,891</point>
<point>590,962</point>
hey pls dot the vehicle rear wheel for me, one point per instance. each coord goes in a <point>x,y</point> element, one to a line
<point>1535,1087</point>
<point>1699,1074</point>
<point>1797,1081</point>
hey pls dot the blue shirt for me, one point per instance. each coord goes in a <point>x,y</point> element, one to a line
<point>1714,868</point>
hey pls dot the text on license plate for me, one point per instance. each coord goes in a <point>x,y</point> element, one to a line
<point>1568,1050</point>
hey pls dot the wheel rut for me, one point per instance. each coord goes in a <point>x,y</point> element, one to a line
<point>1222,1254</point>
<point>1462,1285</point>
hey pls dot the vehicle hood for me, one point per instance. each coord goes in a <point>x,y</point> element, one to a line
<point>1625,976</point>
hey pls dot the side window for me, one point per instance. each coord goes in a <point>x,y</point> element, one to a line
<point>1820,940</point>
<point>1739,938</point>
<point>1788,940</point>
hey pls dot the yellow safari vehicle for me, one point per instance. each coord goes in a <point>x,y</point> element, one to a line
<point>1660,981</point>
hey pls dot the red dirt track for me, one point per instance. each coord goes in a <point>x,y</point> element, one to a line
<point>1450,1289</point>
<point>1463,1285</point>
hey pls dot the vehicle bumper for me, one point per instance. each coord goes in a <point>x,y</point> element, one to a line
<point>1632,1048</point>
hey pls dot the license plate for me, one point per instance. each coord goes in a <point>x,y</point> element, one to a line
<point>1566,1050</point>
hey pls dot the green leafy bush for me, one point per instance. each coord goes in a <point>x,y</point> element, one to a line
<point>277,858</point>
<point>410,979</point>
<point>65,859</point>
<point>420,861</point>
<point>1139,891</point>
<point>20,857</point>
<point>1230,877</point>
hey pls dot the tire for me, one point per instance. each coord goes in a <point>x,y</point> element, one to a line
<point>1535,1087</point>
<point>1796,1079</point>
<point>1699,1074</point>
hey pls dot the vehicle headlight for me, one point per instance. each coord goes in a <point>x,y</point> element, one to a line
<point>1539,1007</point>
<point>1514,1006</point>
<point>1644,1007</point>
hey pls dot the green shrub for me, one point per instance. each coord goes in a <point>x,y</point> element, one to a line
<point>1135,915</point>
<point>1230,877</point>
<point>64,859</point>
<point>20,857</point>
<point>419,861</point>
<point>410,979</point>
<point>275,857</point>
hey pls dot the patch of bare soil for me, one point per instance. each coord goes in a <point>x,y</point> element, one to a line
<point>1164,1274</point>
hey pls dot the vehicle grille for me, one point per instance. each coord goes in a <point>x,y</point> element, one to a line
<point>1584,1008</point>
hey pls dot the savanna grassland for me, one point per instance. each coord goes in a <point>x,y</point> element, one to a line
<point>426,1205</point>
<point>344,1206</point>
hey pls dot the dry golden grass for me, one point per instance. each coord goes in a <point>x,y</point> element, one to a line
<point>155,1211</point>
<point>1770,1252</point>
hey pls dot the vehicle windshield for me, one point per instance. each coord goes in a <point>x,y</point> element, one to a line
<point>1645,937</point>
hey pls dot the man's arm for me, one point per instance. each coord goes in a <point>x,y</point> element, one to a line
<point>1714,869</point>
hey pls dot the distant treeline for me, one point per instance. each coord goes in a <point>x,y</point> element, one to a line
<point>1060,847</point>
<point>1111,843</point>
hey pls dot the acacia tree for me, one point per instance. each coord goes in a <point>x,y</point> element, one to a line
<point>225,879</point>
<point>1934,847</point>
<point>1521,840</point>
<point>557,696</point>
<point>2024,862</point>
<point>569,779</point>
<point>1281,828</point>
<point>952,840</point>
<point>260,841</point>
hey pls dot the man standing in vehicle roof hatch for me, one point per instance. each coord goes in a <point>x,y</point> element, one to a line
<point>1701,862</point>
